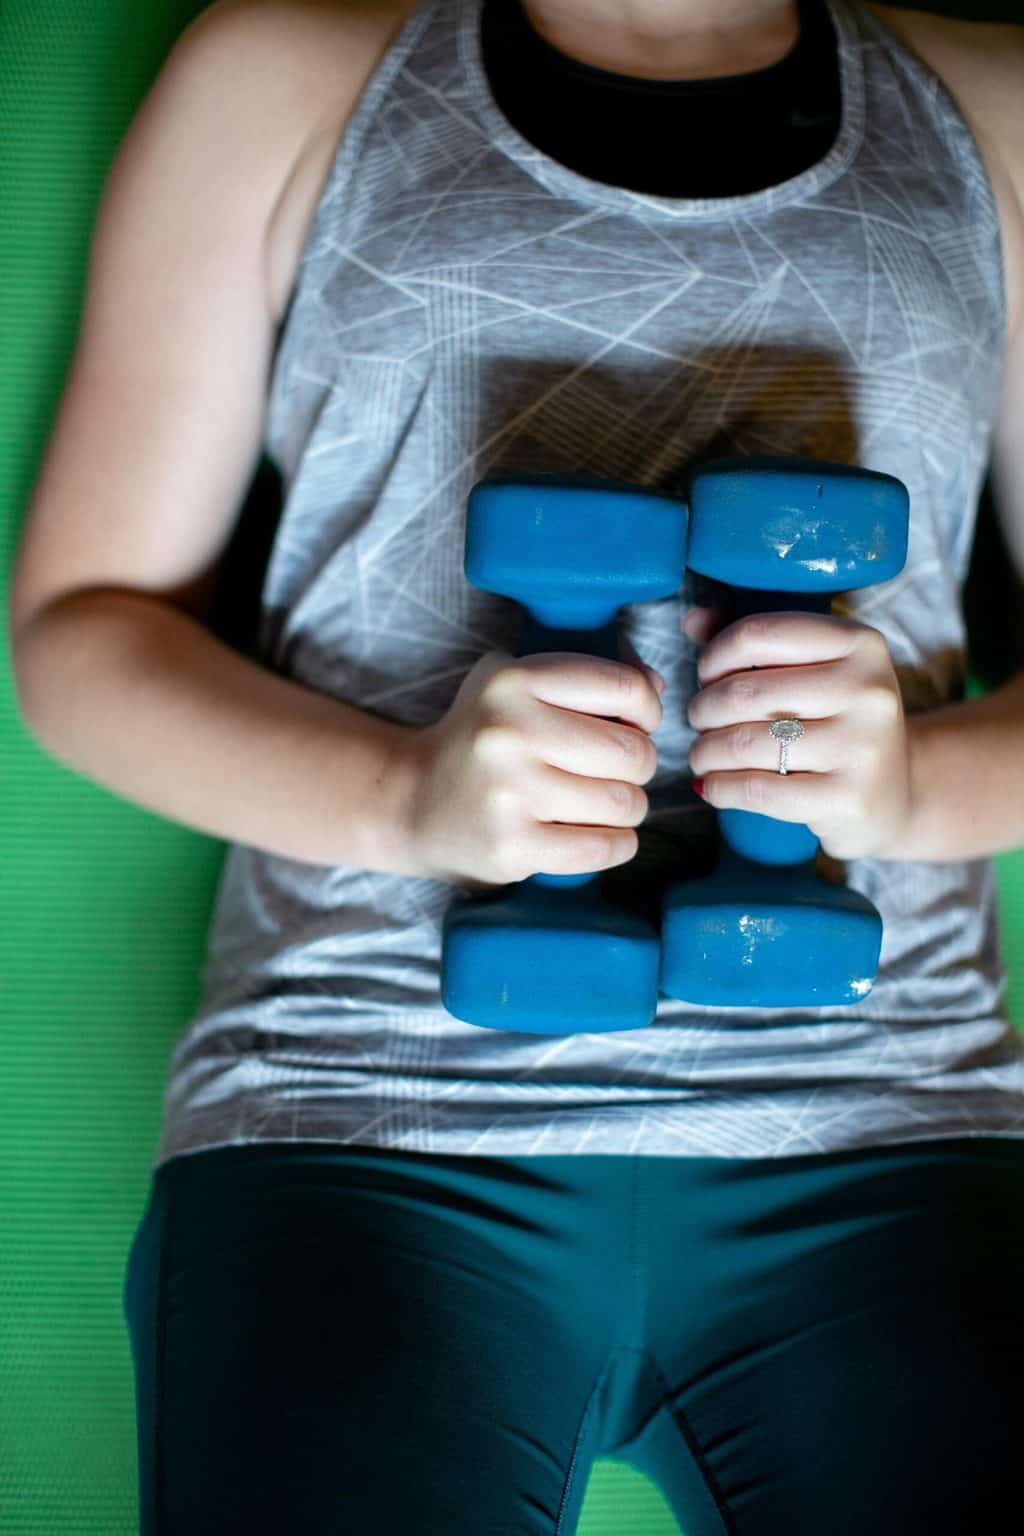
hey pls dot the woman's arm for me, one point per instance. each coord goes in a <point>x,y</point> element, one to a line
<point>946,783</point>
<point>967,758</point>
<point>144,475</point>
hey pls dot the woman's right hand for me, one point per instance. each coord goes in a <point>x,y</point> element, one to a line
<point>522,777</point>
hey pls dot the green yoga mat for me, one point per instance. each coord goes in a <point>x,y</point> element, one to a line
<point>103,906</point>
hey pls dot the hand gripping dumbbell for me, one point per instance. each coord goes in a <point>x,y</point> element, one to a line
<point>762,929</point>
<point>550,955</point>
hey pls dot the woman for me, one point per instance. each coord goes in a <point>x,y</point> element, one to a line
<point>395,1267</point>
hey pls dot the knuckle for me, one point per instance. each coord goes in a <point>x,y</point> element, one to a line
<point>741,689</point>
<point>880,702</point>
<point>632,744</point>
<point>506,679</point>
<point>752,792</point>
<point>630,802</point>
<point>624,680</point>
<point>743,739</point>
<point>621,796</point>
<point>495,741</point>
<point>642,767</point>
<point>757,627</point>
<point>872,640</point>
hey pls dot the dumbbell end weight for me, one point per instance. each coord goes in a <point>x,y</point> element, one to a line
<point>768,937</point>
<point>574,549</point>
<point>795,525</point>
<point>559,964</point>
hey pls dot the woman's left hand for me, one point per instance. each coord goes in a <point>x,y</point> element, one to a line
<point>849,775</point>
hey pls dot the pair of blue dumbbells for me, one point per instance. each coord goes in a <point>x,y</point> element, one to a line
<point>551,955</point>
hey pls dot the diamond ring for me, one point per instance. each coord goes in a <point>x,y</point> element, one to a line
<point>784,732</point>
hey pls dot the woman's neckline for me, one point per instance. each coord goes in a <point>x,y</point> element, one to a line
<point>560,179</point>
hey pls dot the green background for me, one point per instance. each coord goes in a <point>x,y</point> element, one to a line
<point>104,907</point>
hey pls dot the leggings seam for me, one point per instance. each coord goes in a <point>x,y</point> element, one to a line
<point>570,1479</point>
<point>642,1267</point>
<point>685,1427</point>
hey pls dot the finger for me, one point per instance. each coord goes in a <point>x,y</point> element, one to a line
<point>580,684</point>
<point>581,744</point>
<point>811,798</point>
<point>701,624</point>
<point>808,693</point>
<point>824,747</point>
<point>570,849</point>
<point>572,799</point>
<point>788,638</point>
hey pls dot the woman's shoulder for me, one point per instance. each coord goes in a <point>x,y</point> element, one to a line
<point>322,53</point>
<point>981,64</point>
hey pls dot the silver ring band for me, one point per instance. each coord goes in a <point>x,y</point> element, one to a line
<point>784,732</point>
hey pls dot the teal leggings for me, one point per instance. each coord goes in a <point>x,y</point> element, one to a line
<point>348,1341</point>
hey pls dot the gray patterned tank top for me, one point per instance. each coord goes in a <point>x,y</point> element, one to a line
<point>466,303</point>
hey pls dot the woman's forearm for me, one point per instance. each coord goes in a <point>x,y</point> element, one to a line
<point>141,698</point>
<point>967,769</point>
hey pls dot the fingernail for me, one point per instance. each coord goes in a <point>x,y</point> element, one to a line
<point>698,785</point>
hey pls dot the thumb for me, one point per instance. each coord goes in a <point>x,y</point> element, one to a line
<point>713,606</point>
<point>701,624</point>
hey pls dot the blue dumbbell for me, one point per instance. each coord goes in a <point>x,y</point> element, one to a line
<point>550,955</point>
<point>763,930</point>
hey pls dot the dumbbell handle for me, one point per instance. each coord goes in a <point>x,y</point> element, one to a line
<point>602,640</point>
<point>766,839</point>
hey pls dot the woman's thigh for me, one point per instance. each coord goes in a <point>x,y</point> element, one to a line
<point>841,1339</point>
<point>360,1340</point>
